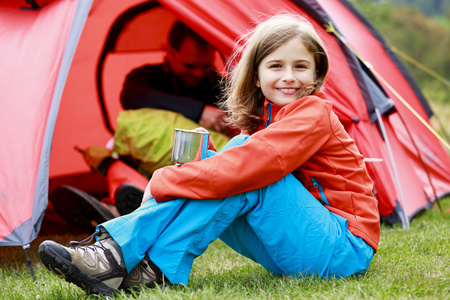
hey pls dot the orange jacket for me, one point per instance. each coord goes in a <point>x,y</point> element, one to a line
<point>305,138</point>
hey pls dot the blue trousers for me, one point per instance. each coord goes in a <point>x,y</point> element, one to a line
<point>280,226</point>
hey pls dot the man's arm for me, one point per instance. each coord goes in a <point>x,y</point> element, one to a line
<point>150,87</point>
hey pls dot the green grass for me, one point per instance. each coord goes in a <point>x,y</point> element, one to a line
<point>410,264</point>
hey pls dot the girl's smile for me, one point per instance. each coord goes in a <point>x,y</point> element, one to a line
<point>288,91</point>
<point>283,73</point>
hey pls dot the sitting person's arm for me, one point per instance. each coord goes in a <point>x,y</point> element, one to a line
<point>150,87</point>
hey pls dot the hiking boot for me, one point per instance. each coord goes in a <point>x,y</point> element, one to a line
<point>97,269</point>
<point>81,209</point>
<point>128,198</point>
<point>146,273</point>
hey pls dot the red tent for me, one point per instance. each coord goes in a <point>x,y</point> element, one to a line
<point>60,92</point>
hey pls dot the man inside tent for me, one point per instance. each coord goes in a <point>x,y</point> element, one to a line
<point>179,93</point>
<point>185,83</point>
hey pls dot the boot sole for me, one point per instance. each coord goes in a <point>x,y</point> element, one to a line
<point>78,208</point>
<point>70,273</point>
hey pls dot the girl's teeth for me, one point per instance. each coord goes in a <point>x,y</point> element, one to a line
<point>287,90</point>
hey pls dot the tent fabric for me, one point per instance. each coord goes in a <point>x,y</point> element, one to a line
<point>391,54</point>
<point>111,43</point>
<point>426,155</point>
<point>33,73</point>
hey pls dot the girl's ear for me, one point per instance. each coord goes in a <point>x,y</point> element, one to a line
<point>258,84</point>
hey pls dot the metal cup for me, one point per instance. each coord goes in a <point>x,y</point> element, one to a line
<point>189,145</point>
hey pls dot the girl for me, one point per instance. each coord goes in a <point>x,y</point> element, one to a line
<point>291,193</point>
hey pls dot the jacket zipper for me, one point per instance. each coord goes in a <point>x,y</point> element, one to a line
<point>319,189</point>
<point>269,114</point>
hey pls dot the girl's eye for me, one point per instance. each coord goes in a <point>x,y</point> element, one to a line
<point>300,66</point>
<point>275,66</point>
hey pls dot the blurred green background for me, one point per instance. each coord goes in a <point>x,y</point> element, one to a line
<point>420,29</point>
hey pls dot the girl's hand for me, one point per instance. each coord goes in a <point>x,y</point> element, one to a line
<point>211,145</point>
<point>200,129</point>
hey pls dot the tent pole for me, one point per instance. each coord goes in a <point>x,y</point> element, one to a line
<point>26,248</point>
<point>391,157</point>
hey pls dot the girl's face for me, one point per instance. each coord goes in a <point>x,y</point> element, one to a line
<point>283,72</point>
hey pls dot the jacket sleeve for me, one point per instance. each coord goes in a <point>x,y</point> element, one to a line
<point>299,131</point>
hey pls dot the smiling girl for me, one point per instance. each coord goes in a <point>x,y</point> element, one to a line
<point>291,193</point>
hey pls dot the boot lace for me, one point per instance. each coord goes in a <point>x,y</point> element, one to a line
<point>86,241</point>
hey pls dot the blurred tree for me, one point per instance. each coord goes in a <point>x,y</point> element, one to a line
<point>428,7</point>
<point>424,39</point>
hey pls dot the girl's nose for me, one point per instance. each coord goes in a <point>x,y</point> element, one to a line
<point>288,76</point>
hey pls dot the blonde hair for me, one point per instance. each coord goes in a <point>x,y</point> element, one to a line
<point>243,100</point>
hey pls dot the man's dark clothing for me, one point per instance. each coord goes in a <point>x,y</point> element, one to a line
<point>154,86</point>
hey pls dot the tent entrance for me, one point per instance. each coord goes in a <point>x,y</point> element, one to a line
<point>137,37</point>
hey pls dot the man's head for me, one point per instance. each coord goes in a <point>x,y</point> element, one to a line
<point>189,56</point>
